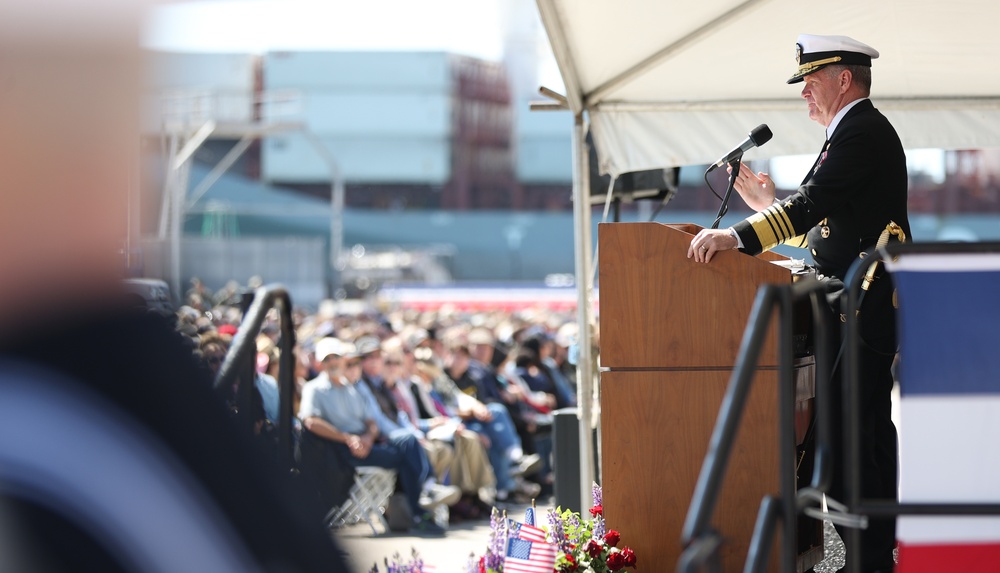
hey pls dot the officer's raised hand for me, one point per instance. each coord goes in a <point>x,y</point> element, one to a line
<point>757,189</point>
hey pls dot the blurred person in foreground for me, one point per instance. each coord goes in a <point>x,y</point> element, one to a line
<point>855,192</point>
<point>115,453</point>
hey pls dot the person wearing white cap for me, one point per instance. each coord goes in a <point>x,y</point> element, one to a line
<point>854,194</point>
<point>334,410</point>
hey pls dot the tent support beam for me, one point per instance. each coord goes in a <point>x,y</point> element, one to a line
<point>640,68</point>
<point>795,104</point>
<point>584,310</point>
<point>560,49</point>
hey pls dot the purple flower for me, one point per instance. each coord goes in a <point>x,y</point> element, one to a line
<point>472,565</point>
<point>417,565</point>
<point>599,527</point>
<point>558,533</point>
<point>573,521</point>
<point>498,541</point>
<point>397,565</point>
<point>598,494</point>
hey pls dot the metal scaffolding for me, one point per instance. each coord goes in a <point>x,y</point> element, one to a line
<point>192,118</point>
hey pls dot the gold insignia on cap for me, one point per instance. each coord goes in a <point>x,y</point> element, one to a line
<point>810,67</point>
<point>798,52</point>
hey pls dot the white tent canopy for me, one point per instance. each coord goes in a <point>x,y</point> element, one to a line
<point>669,83</point>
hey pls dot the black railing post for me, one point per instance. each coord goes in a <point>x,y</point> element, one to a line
<point>240,362</point>
<point>763,536</point>
<point>786,433</point>
<point>248,372</point>
<point>824,372</point>
<point>286,383</point>
<point>852,403</point>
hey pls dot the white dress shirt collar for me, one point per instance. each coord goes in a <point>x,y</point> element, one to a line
<point>840,115</point>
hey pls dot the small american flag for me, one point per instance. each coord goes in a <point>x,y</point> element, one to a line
<point>529,516</point>
<point>525,556</point>
<point>526,532</point>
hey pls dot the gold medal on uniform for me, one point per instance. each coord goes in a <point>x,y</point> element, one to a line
<point>824,231</point>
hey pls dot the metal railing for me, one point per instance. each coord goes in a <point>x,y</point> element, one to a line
<point>240,363</point>
<point>700,540</point>
<point>852,397</point>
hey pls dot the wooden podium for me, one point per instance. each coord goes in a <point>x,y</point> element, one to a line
<point>670,332</point>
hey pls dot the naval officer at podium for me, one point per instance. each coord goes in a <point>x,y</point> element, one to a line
<point>855,190</point>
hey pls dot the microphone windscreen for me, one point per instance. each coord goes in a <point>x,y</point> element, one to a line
<point>761,134</point>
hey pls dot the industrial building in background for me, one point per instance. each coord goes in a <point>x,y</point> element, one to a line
<point>444,175</point>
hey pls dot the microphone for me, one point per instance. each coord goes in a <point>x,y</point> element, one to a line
<point>759,136</point>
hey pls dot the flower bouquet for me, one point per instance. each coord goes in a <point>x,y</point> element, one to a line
<point>568,543</point>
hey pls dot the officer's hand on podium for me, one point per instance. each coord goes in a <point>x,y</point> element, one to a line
<point>707,242</point>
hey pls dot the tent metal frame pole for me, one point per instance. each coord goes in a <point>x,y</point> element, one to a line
<point>560,49</point>
<point>584,311</point>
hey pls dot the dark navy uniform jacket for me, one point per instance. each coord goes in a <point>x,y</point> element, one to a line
<point>856,187</point>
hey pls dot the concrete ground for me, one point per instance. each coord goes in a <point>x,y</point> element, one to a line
<point>448,554</point>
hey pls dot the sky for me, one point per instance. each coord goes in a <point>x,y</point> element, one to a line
<point>257,26</point>
<point>471,27</point>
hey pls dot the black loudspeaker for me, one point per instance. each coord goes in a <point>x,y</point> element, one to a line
<point>652,184</point>
<point>566,459</point>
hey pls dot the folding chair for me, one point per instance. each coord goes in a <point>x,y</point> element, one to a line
<point>369,496</point>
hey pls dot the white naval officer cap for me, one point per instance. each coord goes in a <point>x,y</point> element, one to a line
<point>816,52</point>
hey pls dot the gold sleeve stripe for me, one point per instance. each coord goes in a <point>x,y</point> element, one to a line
<point>773,227</point>
<point>766,234</point>
<point>788,222</point>
<point>800,241</point>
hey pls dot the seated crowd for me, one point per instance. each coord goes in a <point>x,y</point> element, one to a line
<point>458,404</point>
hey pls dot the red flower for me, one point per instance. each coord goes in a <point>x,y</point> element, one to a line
<point>616,561</point>
<point>593,548</point>
<point>571,564</point>
<point>597,510</point>
<point>482,564</point>
<point>612,537</point>
<point>629,556</point>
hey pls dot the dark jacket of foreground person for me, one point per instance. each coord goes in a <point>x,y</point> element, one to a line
<point>136,365</point>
